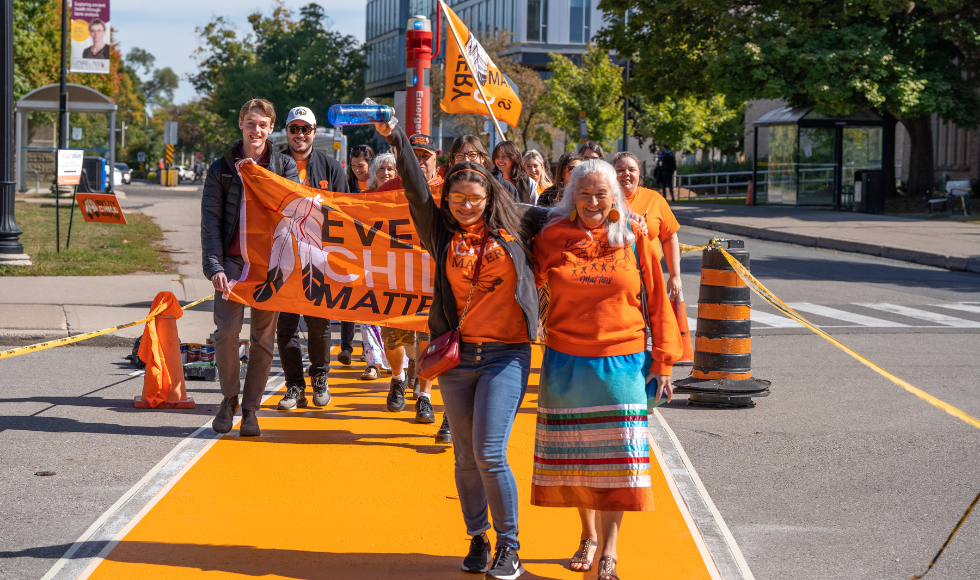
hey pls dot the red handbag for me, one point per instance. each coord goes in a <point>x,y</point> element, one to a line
<point>442,353</point>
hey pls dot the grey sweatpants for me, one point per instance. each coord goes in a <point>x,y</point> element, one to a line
<point>228,318</point>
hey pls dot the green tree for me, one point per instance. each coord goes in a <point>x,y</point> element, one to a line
<point>594,87</point>
<point>200,129</point>
<point>906,60</point>
<point>689,123</point>
<point>290,62</point>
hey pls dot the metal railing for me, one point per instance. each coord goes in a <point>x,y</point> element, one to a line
<point>700,183</point>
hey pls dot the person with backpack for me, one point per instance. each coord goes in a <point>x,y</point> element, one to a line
<point>222,256</point>
<point>666,165</point>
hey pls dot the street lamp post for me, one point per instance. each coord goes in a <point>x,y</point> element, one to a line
<point>11,249</point>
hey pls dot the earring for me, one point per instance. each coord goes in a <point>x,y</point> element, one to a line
<point>573,215</point>
<point>614,215</point>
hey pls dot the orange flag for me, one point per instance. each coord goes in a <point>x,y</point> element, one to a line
<point>339,256</point>
<point>461,95</point>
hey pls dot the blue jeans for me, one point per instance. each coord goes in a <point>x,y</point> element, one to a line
<point>482,396</point>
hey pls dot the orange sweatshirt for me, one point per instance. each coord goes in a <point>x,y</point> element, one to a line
<point>660,220</point>
<point>595,307</point>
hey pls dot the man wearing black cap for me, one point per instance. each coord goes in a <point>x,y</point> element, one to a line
<point>399,342</point>
<point>318,171</point>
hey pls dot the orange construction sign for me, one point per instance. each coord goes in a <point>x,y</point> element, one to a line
<point>461,94</point>
<point>339,256</point>
<point>100,207</point>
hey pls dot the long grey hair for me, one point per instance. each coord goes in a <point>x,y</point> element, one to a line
<point>620,232</point>
<point>382,160</point>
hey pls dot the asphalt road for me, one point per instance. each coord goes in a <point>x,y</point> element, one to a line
<point>838,474</point>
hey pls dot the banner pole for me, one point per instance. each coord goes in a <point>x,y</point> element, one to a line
<point>476,81</point>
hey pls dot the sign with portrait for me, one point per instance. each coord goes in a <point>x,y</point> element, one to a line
<point>90,36</point>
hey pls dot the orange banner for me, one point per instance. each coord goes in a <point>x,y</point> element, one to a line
<point>461,95</point>
<point>339,256</point>
<point>100,207</point>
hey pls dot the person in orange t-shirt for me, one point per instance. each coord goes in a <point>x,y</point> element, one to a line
<point>660,220</point>
<point>483,286</point>
<point>595,371</point>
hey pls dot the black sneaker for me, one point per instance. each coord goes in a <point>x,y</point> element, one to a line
<point>321,391</point>
<point>294,397</point>
<point>478,560</point>
<point>423,411</point>
<point>396,395</point>
<point>506,564</point>
<point>344,357</point>
<point>443,435</point>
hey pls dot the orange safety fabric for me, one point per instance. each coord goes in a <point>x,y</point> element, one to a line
<point>595,307</point>
<point>726,278</point>
<point>494,314</point>
<point>723,311</point>
<point>716,375</point>
<point>723,345</point>
<point>157,380</point>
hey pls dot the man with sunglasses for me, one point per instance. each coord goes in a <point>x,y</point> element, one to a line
<point>318,171</point>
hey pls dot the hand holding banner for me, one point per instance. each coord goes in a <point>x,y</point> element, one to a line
<point>462,95</point>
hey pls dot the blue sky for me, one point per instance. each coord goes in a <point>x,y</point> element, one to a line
<point>166,29</point>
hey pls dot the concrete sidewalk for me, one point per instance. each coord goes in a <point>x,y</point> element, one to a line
<point>939,243</point>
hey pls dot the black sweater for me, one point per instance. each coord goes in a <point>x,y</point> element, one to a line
<point>437,234</point>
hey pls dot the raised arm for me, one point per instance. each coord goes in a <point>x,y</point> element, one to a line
<point>425,213</point>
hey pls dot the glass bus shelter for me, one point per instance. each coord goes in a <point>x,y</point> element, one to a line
<point>807,158</point>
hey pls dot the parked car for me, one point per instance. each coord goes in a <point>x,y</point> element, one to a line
<point>184,173</point>
<point>124,172</point>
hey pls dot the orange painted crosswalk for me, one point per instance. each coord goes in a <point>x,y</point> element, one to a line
<point>352,491</point>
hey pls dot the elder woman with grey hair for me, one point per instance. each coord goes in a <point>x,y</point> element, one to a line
<point>591,449</point>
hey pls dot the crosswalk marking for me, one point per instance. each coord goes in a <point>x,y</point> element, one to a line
<point>774,320</point>
<point>964,306</point>
<point>921,314</point>
<point>858,319</point>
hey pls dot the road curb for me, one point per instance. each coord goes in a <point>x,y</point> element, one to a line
<point>965,264</point>
<point>29,337</point>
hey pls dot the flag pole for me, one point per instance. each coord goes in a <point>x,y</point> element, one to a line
<point>466,57</point>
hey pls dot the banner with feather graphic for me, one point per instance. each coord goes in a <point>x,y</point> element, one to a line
<point>333,255</point>
<point>461,95</point>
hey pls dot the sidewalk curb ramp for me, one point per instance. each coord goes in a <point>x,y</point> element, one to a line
<point>970,264</point>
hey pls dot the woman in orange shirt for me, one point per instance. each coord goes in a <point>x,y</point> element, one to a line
<point>483,285</point>
<point>660,220</point>
<point>591,447</point>
<point>538,170</point>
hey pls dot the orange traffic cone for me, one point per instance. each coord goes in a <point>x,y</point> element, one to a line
<point>163,382</point>
<point>680,312</point>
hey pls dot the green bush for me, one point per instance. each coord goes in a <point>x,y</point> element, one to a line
<point>705,166</point>
<point>152,176</point>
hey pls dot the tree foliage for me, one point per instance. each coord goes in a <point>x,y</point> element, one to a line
<point>291,62</point>
<point>594,87</point>
<point>905,59</point>
<point>689,123</point>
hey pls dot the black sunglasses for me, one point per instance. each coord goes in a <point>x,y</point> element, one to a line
<point>304,129</point>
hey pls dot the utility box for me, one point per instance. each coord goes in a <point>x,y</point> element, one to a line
<point>869,191</point>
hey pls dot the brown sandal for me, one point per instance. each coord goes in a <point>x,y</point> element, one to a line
<point>582,555</point>
<point>607,568</point>
<point>371,374</point>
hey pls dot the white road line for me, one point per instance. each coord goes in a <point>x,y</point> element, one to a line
<point>963,306</point>
<point>858,319</point>
<point>732,544</point>
<point>66,558</point>
<point>774,320</point>
<point>692,322</point>
<point>921,315</point>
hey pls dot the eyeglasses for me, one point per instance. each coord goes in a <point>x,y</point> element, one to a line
<point>474,156</point>
<point>475,200</point>
<point>304,129</point>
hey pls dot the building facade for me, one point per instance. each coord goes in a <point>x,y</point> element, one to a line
<point>538,27</point>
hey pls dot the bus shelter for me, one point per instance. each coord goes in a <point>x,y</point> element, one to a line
<point>803,157</point>
<point>81,99</point>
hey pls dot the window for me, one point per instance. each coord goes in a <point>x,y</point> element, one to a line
<point>580,21</point>
<point>537,20</point>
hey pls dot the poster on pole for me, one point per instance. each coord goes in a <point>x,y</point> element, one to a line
<point>70,166</point>
<point>90,36</point>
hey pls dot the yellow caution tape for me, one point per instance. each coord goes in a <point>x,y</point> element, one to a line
<point>771,298</point>
<point>690,248</point>
<point>80,337</point>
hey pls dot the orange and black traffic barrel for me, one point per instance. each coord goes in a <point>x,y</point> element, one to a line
<point>722,373</point>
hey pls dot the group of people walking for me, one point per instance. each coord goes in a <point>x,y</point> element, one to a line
<point>505,238</point>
